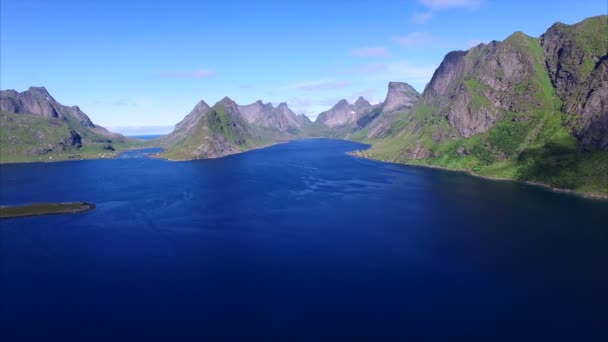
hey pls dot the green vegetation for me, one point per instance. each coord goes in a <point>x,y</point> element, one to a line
<point>37,209</point>
<point>31,138</point>
<point>475,89</point>
<point>532,144</point>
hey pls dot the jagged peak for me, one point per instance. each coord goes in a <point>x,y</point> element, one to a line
<point>226,101</point>
<point>201,105</point>
<point>401,87</point>
<point>38,90</point>
<point>361,101</point>
<point>517,35</point>
<point>341,103</point>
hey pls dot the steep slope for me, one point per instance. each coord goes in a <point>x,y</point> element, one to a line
<point>210,132</point>
<point>494,110</point>
<point>37,127</point>
<point>400,99</point>
<point>576,58</point>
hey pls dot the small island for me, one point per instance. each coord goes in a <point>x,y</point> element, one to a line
<point>37,209</point>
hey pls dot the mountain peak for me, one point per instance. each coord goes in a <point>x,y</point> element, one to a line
<point>341,103</point>
<point>400,95</point>
<point>226,101</point>
<point>201,106</point>
<point>361,101</point>
<point>39,91</point>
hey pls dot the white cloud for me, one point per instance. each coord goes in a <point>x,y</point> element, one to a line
<point>370,51</point>
<point>193,74</point>
<point>421,17</point>
<point>320,85</point>
<point>416,39</point>
<point>449,4</point>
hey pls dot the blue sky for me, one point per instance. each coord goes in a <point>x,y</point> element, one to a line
<point>131,64</point>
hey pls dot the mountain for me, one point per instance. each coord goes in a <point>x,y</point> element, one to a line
<point>228,128</point>
<point>37,127</point>
<point>344,113</point>
<point>524,108</point>
<point>362,120</point>
<point>281,118</point>
<point>578,68</point>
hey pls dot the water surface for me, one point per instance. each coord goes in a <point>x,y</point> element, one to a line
<point>297,242</point>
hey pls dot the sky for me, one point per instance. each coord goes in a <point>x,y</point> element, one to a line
<point>138,67</point>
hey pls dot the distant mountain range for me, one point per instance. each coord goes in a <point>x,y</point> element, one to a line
<point>533,109</point>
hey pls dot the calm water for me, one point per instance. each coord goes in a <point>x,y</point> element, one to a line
<point>297,242</point>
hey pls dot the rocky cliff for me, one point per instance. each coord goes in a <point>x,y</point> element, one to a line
<point>523,108</point>
<point>577,63</point>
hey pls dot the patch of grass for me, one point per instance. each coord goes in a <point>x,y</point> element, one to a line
<point>475,89</point>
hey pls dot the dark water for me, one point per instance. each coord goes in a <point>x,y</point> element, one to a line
<point>297,242</point>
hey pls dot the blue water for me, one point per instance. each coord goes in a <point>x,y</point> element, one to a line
<point>297,242</point>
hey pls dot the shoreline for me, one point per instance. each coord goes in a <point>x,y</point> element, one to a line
<point>43,209</point>
<point>473,174</point>
<point>157,156</point>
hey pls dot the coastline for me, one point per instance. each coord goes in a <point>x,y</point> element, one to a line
<point>473,174</point>
<point>158,156</point>
<point>43,209</point>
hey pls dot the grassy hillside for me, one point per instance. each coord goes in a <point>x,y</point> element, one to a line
<point>532,144</point>
<point>30,138</point>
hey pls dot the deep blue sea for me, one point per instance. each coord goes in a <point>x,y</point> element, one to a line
<point>297,242</point>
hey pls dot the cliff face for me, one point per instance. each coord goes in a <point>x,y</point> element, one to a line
<point>474,88</point>
<point>524,108</point>
<point>36,126</point>
<point>577,63</point>
<point>400,96</point>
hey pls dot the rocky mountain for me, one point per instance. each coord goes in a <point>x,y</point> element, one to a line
<point>228,128</point>
<point>37,127</point>
<point>400,96</point>
<point>523,108</point>
<point>362,120</point>
<point>344,113</point>
<point>281,118</point>
<point>577,62</point>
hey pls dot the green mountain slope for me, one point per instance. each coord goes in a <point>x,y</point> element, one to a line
<point>495,111</point>
<point>35,127</point>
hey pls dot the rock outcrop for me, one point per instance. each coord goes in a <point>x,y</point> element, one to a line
<point>577,63</point>
<point>400,96</point>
